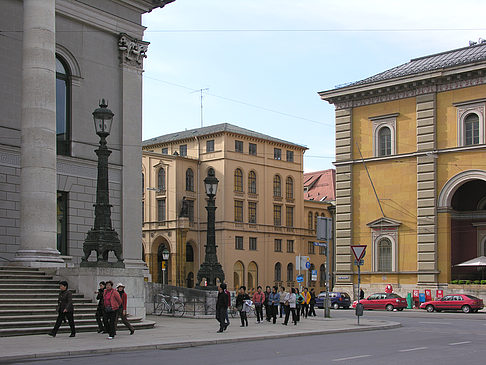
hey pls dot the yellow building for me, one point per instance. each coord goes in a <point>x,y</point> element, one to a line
<point>261,217</point>
<point>417,132</point>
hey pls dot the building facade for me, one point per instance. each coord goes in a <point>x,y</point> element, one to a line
<point>410,173</point>
<point>261,216</point>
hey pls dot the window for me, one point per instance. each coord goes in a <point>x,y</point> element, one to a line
<point>239,146</point>
<point>63,107</point>
<point>238,243</point>
<point>289,188</point>
<point>143,184</point>
<point>322,250</point>
<point>470,123</point>
<point>310,225</point>
<point>62,222</point>
<point>315,221</point>
<point>290,156</point>
<point>278,245</point>
<point>161,180</point>
<point>253,243</point>
<point>471,129</point>
<point>277,186</point>
<point>210,145</point>
<point>290,272</point>
<point>252,212</point>
<point>252,189</point>
<point>384,128</point>
<point>189,253</point>
<point>384,255</point>
<point>311,248</point>
<point>277,153</point>
<point>322,274</point>
<point>252,149</point>
<point>143,212</point>
<point>189,180</point>
<point>277,215</point>
<point>238,211</point>
<point>278,271</point>
<point>238,180</point>
<point>384,141</point>
<point>190,210</point>
<point>183,150</point>
<point>289,216</point>
<point>290,246</point>
<point>165,151</point>
<point>161,210</point>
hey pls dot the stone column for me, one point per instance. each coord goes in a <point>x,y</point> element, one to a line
<point>38,230</point>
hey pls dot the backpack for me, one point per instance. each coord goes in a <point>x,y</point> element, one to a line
<point>300,299</point>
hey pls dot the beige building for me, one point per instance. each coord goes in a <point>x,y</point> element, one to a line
<point>262,220</point>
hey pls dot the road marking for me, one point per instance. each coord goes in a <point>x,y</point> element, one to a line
<point>351,358</point>
<point>414,349</point>
<point>459,343</point>
<point>436,323</point>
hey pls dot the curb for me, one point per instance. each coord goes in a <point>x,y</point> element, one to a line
<point>188,344</point>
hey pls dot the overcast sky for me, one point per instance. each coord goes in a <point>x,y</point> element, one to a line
<point>265,60</point>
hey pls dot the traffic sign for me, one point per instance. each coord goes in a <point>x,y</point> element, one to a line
<point>307,265</point>
<point>321,244</point>
<point>300,262</point>
<point>314,275</point>
<point>361,262</point>
<point>358,251</point>
<point>300,278</point>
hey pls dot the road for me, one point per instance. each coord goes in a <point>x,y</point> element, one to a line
<point>432,338</point>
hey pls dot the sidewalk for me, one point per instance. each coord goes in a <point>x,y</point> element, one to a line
<point>172,333</point>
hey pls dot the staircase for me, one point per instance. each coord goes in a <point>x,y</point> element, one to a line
<point>28,302</point>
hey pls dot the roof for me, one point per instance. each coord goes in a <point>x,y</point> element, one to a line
<point>320,185</point>
<point>217,128</point>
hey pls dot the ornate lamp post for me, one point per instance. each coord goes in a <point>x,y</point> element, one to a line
<point>102,238</point>
<point>165,259</point>
<point>210,269</point>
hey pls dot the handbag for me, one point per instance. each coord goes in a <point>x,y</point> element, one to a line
<point>286,303</point>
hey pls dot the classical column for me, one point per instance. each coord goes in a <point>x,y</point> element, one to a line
<point>132,53</point>
<point>38,230</point>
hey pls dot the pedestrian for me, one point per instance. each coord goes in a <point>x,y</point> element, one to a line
<point>312,303</point>
<point>298,303</point>
<point>240,299</point>
<point>258,300</point>
<point>305,302</point>
<point>267,306</point>
<point>65,309</point>
<point>222,308</point>
<point>227,323</point>
<point>274,302</point>
<point>122,310</point>
<point>111,301</point>
<point>100,318</point>
<point>283,293</point>
<point>290,305</point>
<point>361,294</point>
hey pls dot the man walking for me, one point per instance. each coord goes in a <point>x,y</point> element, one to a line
<point>65,309</point>
<point>268,308</point>
<point>312,303</point>
<point>222,308</point>
<point>122,310</point>
<point>274,302</point>
<point>101,308</point>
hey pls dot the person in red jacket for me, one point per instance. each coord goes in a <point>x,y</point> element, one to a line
<point>112,301</point>
<point>122,311</point>
<point>258,300</point>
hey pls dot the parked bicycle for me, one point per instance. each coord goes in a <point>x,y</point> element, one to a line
<point>169,305</point>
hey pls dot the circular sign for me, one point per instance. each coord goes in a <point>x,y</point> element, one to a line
<point>307,265</point>
<point>300,278</point>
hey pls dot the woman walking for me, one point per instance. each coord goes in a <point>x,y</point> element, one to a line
<point>240,301</point>
<point>122,310</point>
<point>290,304</point>
<point>274,302</point>
<point>112,302</point>
<point>65,309</point>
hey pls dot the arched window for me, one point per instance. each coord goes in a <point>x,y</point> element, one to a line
<point>252,275</point>
<point>315,222</point>
<point>252,186</point>
<point>189,253</point>
<point>384,255</point>
<point>238,180</point>
<point>63,107</point>
<point>289,188</point>
<point>310,225</point>
<point>278,271</point>
<point>143,184</point>
<point>238,274</point>
<point>290,272</point>
<point>471,129</point>
<point>277,186</point>
<point>384,141</point>
<point>161,180</point>
<point>189,180</point>
<point>322,274</point>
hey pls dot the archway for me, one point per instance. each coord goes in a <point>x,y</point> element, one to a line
<point>190,280</point>
<point>163,276</point>
<point>238,274</point>
<point>252,275</point>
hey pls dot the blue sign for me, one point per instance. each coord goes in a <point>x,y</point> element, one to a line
<point>300,278</point>
<point>307,265</point>
<point>320,244</point>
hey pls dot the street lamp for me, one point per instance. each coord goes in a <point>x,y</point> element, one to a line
<point>102,238</point>
<point>165,258</point>
<point>210,269</point>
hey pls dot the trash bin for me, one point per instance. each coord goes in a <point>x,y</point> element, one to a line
<point>359,309</point>
<point>409,301</point>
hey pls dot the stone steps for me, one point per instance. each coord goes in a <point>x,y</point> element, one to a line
<point>50,322</point>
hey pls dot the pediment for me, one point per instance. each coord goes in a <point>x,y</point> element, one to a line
<point>384,222</point>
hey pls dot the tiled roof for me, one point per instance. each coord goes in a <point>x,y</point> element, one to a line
<point>217,128</point>
<point>438,61</point>
<point>320,185</point>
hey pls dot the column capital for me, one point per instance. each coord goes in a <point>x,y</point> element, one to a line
<point>132,50</point>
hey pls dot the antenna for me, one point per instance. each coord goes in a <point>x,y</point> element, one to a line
<point>201,91</point>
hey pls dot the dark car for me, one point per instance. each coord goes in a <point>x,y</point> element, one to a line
<point>466,303</point>
<point>388,301</point>
<point>337,299</point>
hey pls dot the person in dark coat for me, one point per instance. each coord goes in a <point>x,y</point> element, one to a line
<point>361,294</point>
<point>100,309</point>
<point>65,309</point>
<point>312,303</point>
<point>268,307</point>
<point>240,298</point>
<point>222,308</point>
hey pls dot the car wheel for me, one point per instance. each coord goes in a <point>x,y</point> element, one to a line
<point>430,308</point>
<point>400,309</point>
<point>389,307</point>
<point>335,306</point>
<point>466,308</point>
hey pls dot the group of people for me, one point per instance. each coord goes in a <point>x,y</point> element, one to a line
<point>276,302</point>
<point>112,305</point>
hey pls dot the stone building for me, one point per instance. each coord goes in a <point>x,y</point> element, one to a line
<point>261,217</point>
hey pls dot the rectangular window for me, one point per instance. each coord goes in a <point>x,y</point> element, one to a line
<point>252,212</point>
<point>322,250</point>
<point>239,146</point>
<point>62,222</point>
<point>277,215</point>
<point>190,210</point>
<point>143,212</point>
<point>165,151</point>
<point>253,243</point>
<point>278,245</point>
<point>183,150</point>
<point>161,210</point>
<point>210,145</point>
<point>289,215</point>
<point>238,243</point>
<point>311,248</point>
<point>252,149</point>
<point>290,246</point>
<point>238,211</point>
<point>277,153</point>
<point>290,156</point>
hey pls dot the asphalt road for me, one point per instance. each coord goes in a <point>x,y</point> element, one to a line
<point>432,338</point>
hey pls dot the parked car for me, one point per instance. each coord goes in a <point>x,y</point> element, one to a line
<point>337,300</point>
<point>464,302</point>
<point>388,301</point>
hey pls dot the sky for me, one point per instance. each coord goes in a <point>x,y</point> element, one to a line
<point>262,62</point>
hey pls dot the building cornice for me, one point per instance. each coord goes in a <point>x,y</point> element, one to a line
<point>144,6</point>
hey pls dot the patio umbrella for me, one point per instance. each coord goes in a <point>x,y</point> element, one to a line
<point>479,262</point>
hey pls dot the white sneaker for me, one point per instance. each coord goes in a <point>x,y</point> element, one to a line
<point>110,338</point>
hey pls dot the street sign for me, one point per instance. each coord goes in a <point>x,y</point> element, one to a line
<point>324,229</point>
<point>300,278</point>
<point>300,262</point>
<point>163,265</point>
<point>358,251</point>
<point>314,275</point>
<point>361,262</point>
<point>307,265</point>
<point>320,244</point>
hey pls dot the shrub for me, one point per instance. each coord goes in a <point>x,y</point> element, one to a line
<point>468,282</point>
<point>457,281</point>
<point>477,282</point>
<point>462,282</point>
<point>483,282</point>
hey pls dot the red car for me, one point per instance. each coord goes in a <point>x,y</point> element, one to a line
<point>464,302</point>
<point>388,301</point>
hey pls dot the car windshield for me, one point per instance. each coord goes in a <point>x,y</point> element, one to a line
<point>472,297</point>
<point>394,296</point>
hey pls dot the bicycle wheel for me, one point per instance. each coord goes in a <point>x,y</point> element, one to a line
<point>179,309</point>
<point>161,309</point>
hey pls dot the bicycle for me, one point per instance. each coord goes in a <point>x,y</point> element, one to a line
<point>169,306</point>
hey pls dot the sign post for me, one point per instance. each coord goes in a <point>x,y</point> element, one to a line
<point>359,252</point>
